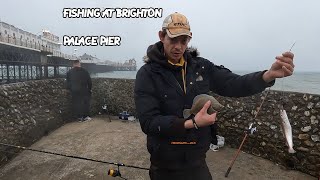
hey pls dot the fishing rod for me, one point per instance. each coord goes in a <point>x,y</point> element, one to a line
<point>251,129</point>
<point>111,172</point>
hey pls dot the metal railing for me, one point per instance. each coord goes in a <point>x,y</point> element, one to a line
<point>35,45</point>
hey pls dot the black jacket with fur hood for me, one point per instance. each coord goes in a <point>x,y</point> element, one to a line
<point>160,102</point>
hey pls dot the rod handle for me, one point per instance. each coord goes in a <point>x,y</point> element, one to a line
<point>228,171</point>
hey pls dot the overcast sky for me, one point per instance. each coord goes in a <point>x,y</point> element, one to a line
<point>240,34</point>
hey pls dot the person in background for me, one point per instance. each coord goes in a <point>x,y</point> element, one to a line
<point>79,84</point>
<point>167,84</point>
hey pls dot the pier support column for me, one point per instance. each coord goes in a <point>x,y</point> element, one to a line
<point>44,62</point>
<point>55,71</point>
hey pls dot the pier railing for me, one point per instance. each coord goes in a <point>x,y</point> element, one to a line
<point>34,45</point>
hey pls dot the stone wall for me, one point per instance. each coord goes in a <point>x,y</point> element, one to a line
<point>303,111</point>
<point>30,110</point>
<point>117,94</point>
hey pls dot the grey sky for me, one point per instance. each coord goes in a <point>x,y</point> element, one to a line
<point>241,35</point>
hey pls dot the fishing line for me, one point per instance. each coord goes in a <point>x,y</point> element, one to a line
<point>111,172</point>
<point>251,129</point>
<point>282,99</point>
<point>88,134</point>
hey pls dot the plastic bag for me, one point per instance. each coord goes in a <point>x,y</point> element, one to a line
<point>220,141</point>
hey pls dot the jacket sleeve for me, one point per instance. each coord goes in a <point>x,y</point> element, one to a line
<point>226,83</point>
<point>148,109</point>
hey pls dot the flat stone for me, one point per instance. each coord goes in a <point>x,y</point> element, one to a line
<point>314,120</point>
<point>227,123</point>
<point>294,108</point>
<point>317,105</point>
<point>255,152</point>
<point>306,129</point>
<point>313,152</point>
<point>303,149</point>
<point>318,146</point>
<point>304,136</point>
<point>273,127</point>
<point>33,121</point>
<point>305,97</point>
<point>254,112</point>
<point>309,143</point>
<point>307,113</point>
<point>239,109</point>
<point>315,130</point>
<point>312,159</point>
<point>310,105</point>
<point>315,138</point>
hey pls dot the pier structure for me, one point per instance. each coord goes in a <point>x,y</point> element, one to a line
<point>26,56</point>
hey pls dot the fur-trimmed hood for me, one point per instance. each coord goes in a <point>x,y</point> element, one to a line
<point>158,48</point>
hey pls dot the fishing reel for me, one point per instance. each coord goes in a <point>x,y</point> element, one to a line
<point>115,173</point>
<point>251,129</point>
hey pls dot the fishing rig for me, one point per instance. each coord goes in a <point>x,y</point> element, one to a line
<point>252,129</point>
<point>105,109</point>
<point>111,172</point>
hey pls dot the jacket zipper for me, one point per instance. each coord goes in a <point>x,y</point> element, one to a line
<point>179,85</point>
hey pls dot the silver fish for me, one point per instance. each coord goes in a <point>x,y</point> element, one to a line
<point>286,130</point>
<point>198,103</point>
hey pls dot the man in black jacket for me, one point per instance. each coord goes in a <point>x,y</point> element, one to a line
<point>79,84</point>
<point>168,83</point>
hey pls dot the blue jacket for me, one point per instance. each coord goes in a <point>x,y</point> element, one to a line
<point>160,101</point>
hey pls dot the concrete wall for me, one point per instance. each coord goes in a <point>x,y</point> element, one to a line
<point>30,110</point>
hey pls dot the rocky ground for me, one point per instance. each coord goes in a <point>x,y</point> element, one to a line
<point>121,142</point>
